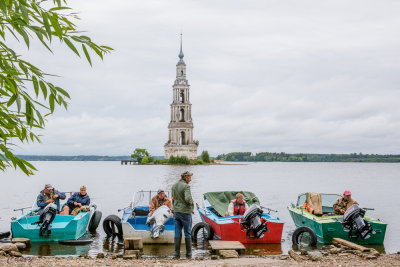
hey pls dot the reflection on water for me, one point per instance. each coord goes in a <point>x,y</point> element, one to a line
<point>263,249</point>
<point>113,245</point>
<point>53,248</point>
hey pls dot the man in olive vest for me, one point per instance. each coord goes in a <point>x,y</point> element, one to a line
<point>183,208</point>
<point>343,203</point>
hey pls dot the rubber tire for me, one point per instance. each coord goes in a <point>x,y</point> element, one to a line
<point>198,226</point>
<point>95,220</point>
<point>117,222</point>
<point>4,234</point>
<point>303,229</point>
<point>75,242</point>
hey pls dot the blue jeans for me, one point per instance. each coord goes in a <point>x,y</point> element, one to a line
<point>183,220</point>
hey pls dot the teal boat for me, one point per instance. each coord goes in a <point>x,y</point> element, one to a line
<point>322,228</point>
<point>62,227</point>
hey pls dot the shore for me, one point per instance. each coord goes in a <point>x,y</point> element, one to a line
<point>331,260</point>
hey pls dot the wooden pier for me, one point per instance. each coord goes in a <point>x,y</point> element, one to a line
<point>130,162</point>
<point>217,245</point>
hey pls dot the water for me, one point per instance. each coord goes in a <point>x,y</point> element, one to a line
<point>111,186</point>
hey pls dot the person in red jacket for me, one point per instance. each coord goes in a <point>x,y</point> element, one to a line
<point>237,206</point>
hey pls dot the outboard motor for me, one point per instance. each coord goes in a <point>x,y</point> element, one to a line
<point>159,217</point>
<point>252,222</point>
<point>46,218</point>
<point>354,223</point>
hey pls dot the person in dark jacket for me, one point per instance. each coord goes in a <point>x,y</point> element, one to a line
<point>76,201</point>
<point>49,195</point>
<point>183,208</point>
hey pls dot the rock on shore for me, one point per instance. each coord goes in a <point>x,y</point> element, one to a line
<point>281,261</point>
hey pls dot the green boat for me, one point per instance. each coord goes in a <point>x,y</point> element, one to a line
<point>322,228</point>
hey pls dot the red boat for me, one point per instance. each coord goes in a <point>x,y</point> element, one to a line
<point>255,226</point>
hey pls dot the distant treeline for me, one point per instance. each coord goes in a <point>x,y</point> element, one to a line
<point>73,158</point>
<point>269,157</point>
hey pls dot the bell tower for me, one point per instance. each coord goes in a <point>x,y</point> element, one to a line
<point>180,141</point>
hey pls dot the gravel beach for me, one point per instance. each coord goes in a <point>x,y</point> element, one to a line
<point>350,260</point>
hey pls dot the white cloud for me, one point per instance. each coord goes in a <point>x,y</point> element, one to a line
<point>265,76</point>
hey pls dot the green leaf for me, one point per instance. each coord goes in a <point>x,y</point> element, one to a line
<point>106,47</point>
<point>62,91</point>
<point>35,85</point>
<point>51,102</point>
<point>23,33</point>
<point>44,89</point>
<point>71,45</point>
<point>86,54</point>
<point>59,8</point>
<point>46,24</point>
<point>12,99</point>
<point>56,25</point>
<point>24,12</point>
<point>19,104</point>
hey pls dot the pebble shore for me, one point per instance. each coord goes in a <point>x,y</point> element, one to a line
<point>284,260</point>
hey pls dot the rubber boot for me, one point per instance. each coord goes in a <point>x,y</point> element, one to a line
<point>177,243</point>
<point>188,243</point>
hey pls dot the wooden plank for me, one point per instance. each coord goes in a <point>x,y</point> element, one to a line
<point>226,245</point>
<point>350,244</point>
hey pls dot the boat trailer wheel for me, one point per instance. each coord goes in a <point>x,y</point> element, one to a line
<point>202,228</point>
<point>304,237</point>
<point>112,226</point>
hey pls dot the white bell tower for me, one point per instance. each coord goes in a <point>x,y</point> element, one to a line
<point>180,141</point>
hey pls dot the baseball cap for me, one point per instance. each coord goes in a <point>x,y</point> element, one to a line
<point>347,193</point>
<point>48,186</point>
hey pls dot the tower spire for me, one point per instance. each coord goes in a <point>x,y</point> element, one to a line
<point>181,55</point>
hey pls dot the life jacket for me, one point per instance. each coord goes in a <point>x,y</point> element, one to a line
<point>238,209</point>
<point>307,208</point>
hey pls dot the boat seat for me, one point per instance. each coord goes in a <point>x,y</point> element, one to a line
<point>141,212</point>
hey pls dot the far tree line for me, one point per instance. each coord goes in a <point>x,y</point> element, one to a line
<point>300,157</point>
<point>142,156</point>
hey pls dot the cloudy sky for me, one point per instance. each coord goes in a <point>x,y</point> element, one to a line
<point>278,76</point>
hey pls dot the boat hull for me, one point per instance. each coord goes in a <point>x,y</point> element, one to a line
<point>328,227</point>
<point>229,229</point>
<point>64,227</point>
<point>135,226</point>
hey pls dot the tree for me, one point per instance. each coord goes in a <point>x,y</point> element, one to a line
<point>26,96</point>
<point>139,154</point>
<point>205,156</point>
<point>145,160</point>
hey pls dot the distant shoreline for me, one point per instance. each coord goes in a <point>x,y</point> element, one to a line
<point>243,157</point>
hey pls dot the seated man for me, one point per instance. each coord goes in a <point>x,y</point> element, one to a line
<point>343,203</point>
<point>159,200</point>
<point>76,202</point>
<point>237,206</point>
<point>49,195</point>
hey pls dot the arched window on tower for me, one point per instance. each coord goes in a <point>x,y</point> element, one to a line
<point>182,72</point>
<point>182,138</point>
<point>182,115</point>
<point>182,97</point>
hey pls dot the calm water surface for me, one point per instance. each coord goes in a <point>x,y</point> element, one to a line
<point>111,186</point>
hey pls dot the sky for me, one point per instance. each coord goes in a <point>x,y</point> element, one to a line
<point>277,76</point>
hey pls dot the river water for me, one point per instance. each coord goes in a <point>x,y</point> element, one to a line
<point>277,184</point>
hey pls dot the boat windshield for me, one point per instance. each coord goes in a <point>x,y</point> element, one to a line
<point>143,198</point>
<point>327,201</point>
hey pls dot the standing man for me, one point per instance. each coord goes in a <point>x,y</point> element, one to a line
<point>183,209</point>
<point>343,203</point>
<point>49,195</point>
